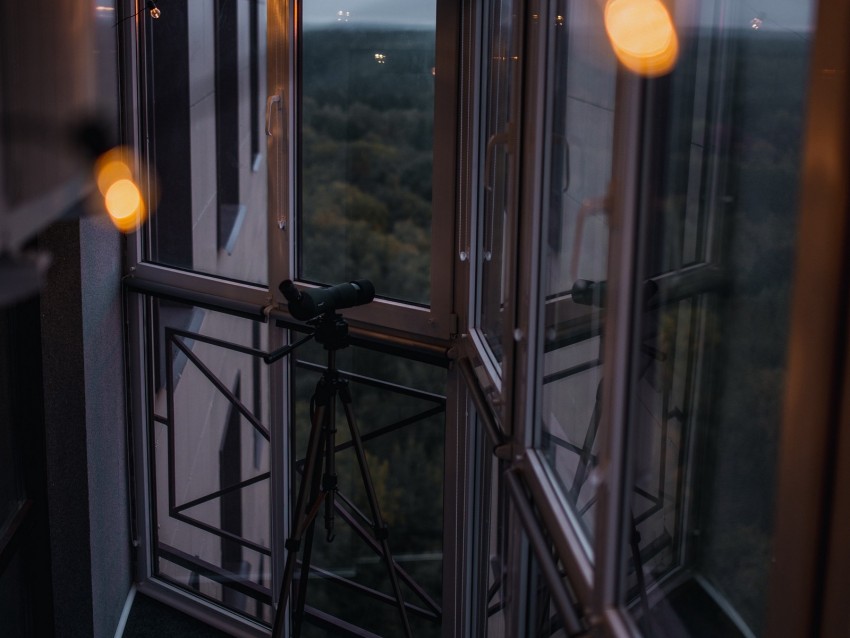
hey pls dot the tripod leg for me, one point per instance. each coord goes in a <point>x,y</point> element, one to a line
<point>316,496</point>
<point>380,525</point>
<point>300,519</point>
<point>329,478</point>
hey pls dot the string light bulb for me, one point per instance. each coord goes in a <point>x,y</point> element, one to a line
<point>642,35</point>
<point>153,9</point>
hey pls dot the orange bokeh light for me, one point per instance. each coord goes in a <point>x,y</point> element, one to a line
<point>642,35</point>
<point>121,194</point>
<point>125,205</point>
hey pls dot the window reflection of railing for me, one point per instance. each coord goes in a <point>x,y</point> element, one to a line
<point>237,579</point>
<point>665,432</point>
<point>406,440</point>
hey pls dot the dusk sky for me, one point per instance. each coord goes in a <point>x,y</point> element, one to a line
<point>394,12</point>
<point>791,15</point>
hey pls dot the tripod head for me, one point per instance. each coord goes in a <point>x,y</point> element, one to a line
<point>331,331</point>
<point>317,307</point>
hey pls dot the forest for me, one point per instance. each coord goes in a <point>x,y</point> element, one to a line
<point>366,162</point>
<point>367,125</point>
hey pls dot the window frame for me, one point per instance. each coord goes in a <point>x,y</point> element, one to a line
<point>598,584</point>
<point>436,322</point>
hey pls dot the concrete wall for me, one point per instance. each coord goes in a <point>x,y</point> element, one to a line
<point>83,359</point>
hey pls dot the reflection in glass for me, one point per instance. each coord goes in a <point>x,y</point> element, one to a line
<point>579,160</point>
<point>718,265</point>
<point>367,117</point>
<point>211,458</point>
<point>206,70</point>
<point>498,92</point>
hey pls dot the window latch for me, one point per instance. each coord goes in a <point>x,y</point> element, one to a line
<point>272,99</point>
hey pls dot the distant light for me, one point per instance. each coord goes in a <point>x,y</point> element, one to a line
<point>343,16</point>
<point>125,205</point>
<point>380,58</point>
<point>755,24</point>
<point>122,197</point>
<point>642,35</point>
<point>559,20</point>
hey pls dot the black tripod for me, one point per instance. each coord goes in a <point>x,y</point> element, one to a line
<point>321,479</point>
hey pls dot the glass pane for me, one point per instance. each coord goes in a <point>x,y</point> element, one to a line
<point>211,457</point>
<point>575,248</point>
<point>500,58</point>
<point>206,69</point>
<point>367,117</point>
<point>721,226</point>
<point>489,593</point>
<point>398,408</point>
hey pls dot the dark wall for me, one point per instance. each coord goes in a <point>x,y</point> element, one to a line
<point>74,334</point>
<point>85,427</point>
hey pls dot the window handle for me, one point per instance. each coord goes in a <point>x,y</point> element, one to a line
<point>495,140</point>
<point>272,99</point>
<point>589,207</point>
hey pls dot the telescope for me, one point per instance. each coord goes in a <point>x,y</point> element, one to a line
<point>307,304</point>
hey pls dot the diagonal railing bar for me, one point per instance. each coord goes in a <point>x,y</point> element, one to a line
<point>216,573</point>
<point>652,511</point>
<point>372,593</point>
<point>377,383</point>
<point>586,507</point>
<point>338,626</point>
<point>227,345</point>
<point>376,547</point>
<point>567,445</point>
<point>228,394</point>
<point>221,533</point>
<point>576,369</point>
<point>353,508</point>
<point>161,419</point>
<point>222,492</point>
<point>369,591</point>
<point>392,427</point>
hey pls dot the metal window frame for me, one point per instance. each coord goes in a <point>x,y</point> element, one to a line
<point>497,372</point>
<point>437,321</point>
<point>809,578</point>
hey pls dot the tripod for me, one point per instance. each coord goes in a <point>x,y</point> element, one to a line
<point>320,479</point>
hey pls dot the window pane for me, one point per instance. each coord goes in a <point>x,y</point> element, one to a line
<point>206,70</point>
<point>211,531</point>
<point>575,249</point>
<point>707,395</point>
<point>500,58</point>
<point>398,408</point>
<point>367,116</point>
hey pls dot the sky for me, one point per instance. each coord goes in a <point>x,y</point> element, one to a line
<point>420,13</point>
<point>785,15</point>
